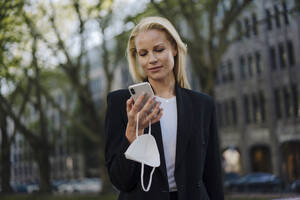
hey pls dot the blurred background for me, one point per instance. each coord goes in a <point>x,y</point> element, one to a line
<point>60,58</point>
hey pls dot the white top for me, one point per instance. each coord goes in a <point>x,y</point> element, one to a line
<point>168,123</point>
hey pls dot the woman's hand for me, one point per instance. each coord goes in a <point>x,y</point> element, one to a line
<point>148,111</point>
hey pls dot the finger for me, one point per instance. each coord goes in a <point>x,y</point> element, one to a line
<point>129,104</point>
<point>139,103</point>
<point>157,118</point>
<point>154,112</point>
<point>148,107</point>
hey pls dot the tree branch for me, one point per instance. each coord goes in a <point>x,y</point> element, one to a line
<point>60,43</point>
<point>76,7</point>
<point>86,130</point>
<point>9,111</point>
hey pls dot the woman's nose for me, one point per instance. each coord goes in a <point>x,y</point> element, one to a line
<point>152,58</point>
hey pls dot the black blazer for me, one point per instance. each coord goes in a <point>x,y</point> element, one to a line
<point>197,166</point>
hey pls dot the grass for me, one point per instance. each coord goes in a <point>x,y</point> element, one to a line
<point>114,197</point>
<point>59,197</point>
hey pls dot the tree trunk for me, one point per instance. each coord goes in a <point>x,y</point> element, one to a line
<point>106,185</point>
<point>5,156</point>
<point>43,161</point>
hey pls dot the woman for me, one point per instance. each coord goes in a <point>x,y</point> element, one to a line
<point>183,122</point>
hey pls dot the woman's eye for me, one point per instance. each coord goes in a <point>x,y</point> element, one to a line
<point>160,50</point>
<point>143,54</point>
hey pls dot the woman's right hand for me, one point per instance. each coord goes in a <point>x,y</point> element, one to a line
<point>149,111</point>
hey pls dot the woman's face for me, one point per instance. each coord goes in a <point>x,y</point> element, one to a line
<point>155,54</point>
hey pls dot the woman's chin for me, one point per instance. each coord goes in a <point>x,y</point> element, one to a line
<point>160,76</point>
<point>156,77</point>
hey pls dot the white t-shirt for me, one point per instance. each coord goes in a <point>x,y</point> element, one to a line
<point>168,123</point>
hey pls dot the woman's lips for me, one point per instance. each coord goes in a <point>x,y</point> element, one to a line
<point>155,69</point>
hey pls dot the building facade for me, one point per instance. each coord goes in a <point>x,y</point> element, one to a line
<point>258,92</point>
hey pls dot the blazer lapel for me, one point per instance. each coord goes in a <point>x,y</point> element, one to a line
<point>184,113</point>
<point>156,132</point>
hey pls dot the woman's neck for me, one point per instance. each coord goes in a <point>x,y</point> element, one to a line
<point>164,88</point>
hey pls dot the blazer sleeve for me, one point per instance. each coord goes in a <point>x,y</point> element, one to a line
<point>212,169</point>
<point>123,173</point>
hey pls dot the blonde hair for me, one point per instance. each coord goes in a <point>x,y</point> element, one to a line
<point>162,24</point>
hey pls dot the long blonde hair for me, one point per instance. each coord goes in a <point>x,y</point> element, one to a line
<point>162,24</point>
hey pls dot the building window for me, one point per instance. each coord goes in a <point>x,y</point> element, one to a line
<point>272,58</point>
<point>239,29</point>
<point>268,19</point>
<point>250,65</point>
<point>277,103</point>
<point>296,108</point>
<point>21,171</point>
<point>61,150</point>
<point>242,67</point>
<point>262,106</point>
<point>290,51</point>
<point>234,112</point>
<point>282,55</point>
<point>285,13</point>
<point>230,71</point>
<point>223,73</point>
<point>25,170</point>
<point>246,109</point>
<point>287,102</point>
<point>227,113</point>
<point>254,24</point>
<point>21,157</point>
<point>247,27</point>
<point>255,111</point>
<point>258,62</point>
<point>277,16</point>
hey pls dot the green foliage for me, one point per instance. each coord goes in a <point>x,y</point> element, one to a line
<point>10,25</point>
<point>9,19</point>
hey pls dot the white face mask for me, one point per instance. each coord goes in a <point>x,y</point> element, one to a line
<point>144,150</point>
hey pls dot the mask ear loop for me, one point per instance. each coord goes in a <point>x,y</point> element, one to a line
<point>142,180</point>
<point>137,126</point>
<point>142,167</point>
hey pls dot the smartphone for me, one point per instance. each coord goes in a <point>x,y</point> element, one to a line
<point>137,89</point>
